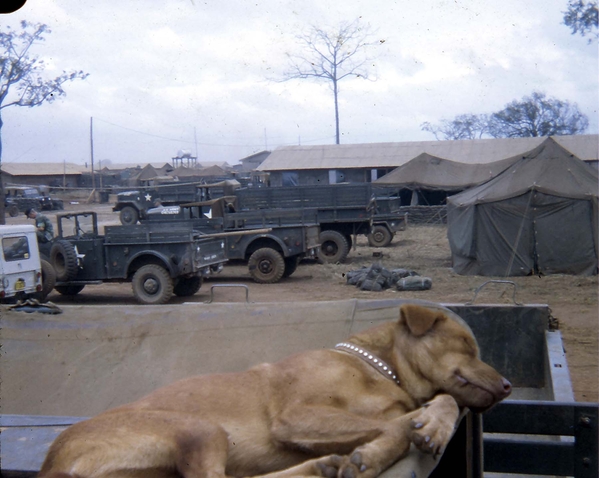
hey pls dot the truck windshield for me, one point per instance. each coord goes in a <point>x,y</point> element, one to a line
<point>79,225</point>
<point>15,248</point>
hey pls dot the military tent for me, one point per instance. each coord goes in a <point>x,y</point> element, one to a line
<point>539,216</point>
<point>426,171</point>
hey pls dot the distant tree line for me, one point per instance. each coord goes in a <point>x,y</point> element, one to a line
<point>534,115</point>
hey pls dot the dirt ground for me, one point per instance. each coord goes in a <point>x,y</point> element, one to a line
<point>423,248</point>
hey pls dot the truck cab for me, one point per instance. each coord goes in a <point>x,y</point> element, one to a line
<point>20,267</point>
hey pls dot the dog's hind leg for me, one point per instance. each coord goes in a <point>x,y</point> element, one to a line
<point>201,451</point>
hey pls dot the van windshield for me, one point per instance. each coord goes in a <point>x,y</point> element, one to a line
<point>15,248</point>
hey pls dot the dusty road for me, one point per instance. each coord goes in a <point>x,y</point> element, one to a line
<point>425,249</point>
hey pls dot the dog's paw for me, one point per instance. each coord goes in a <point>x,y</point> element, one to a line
<point>355,466</point>
<point>328,466</point>
<point>433,427</point>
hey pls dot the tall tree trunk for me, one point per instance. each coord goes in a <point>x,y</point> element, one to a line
<point>335,94</point>
<point>2,198</point>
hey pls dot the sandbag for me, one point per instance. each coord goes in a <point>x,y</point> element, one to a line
<point>414,283</point>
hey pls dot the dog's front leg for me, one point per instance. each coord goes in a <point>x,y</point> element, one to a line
<point>332,433</point>
<point>430,428</point>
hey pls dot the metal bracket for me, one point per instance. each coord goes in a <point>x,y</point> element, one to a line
<point>480,287</point>
<point>247,291</point>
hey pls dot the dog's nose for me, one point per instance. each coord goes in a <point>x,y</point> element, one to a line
<point>507,387</point>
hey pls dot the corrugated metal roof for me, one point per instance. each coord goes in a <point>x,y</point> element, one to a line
<point>391,155</point>
<point>42,169</point>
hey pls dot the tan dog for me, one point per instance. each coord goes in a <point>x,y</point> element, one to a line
<point>350,412</point>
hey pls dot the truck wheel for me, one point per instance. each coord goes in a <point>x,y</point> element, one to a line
<point>48,279</point>
<point>188,286</point>
<point>380,236</point>
<point>266,266</point>
<point>291,264</point>
<point>69,289</point>
<point>13,210</point>
<point>129,216</point>
<point>350,241</point>
<point>152,284</point>
<point>333,247</point>
<point>64,260</point>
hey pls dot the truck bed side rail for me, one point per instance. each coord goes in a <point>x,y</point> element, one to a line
<point>542,451</point>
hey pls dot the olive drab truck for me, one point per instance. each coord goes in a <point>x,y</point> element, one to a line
<point>343,212</point>
<point>133,205</point>
<point>158,261</point>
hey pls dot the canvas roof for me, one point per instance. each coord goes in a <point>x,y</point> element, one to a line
<point>42,169</point>
<point>385,155</point>
<point>431,172</point>
<point>549,168</point>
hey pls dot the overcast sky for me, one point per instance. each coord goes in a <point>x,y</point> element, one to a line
<point>167,75</point>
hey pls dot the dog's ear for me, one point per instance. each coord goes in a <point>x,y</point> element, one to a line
<point>419,319</point>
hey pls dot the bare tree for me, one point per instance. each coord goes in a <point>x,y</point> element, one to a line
<point>332,56</point>
<point>21,83</point>
<point>582,17</point>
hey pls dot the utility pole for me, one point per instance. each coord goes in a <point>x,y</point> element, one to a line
<point>91,141</point>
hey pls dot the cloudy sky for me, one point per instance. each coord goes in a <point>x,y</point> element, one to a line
<point>166,75</point>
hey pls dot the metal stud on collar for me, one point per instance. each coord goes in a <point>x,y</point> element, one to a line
<point>371,359</point>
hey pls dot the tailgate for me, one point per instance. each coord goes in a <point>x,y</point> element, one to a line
<point>210,252</point>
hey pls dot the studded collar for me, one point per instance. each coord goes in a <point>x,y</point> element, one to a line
<point>370,359</point>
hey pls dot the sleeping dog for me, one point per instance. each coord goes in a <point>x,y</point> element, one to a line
<point>351,411</point>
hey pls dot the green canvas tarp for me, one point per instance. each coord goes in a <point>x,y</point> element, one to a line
<point>426,171</point>
<point>539,216</point>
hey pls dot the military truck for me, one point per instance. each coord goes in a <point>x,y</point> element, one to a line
<point>343,211</point>
<point>133,205</point>
<point>159,261</point>
<point>271,242</point>
<point>20,198</point>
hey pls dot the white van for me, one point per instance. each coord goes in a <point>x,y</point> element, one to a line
<point>20,267</point>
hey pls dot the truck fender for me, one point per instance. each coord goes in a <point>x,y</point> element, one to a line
<point>284,247</point>
<point>151,257</point>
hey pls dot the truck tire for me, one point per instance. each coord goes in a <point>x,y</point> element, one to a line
<point>333,247</point>
<point>48,279</point>
<point>266,266</point>
<point>64,260</point>
<point>13,210</point>
<point>291,264</point>
<point>187,286</point>
<point>152,284</point>
<point>70,289</point>
<point>379,236</point>
<point>129,216</point>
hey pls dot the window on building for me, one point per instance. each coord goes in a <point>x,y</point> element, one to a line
<point>290,178</point>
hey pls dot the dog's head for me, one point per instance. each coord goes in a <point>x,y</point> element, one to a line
<point>441,349</point>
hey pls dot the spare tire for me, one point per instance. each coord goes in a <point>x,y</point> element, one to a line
<point>48,279</point>
<point>13,210</point>
<point>64,259</point>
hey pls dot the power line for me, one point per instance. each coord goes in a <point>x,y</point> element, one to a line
<point>179,140</point>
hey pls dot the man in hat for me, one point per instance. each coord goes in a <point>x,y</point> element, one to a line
<point>43,225</point>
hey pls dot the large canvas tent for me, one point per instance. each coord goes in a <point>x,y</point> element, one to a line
<point>426,171</point>
<point>537,217</point>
